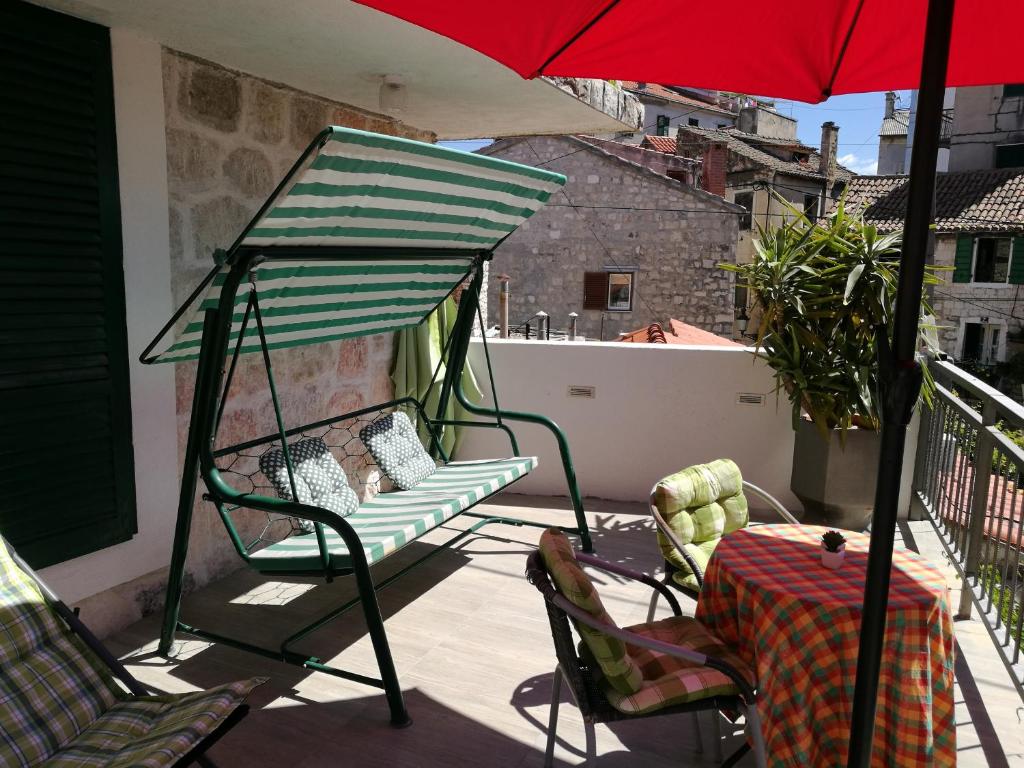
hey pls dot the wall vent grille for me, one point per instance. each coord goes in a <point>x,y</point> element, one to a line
<point>579,390</point>
<point>749,398</point>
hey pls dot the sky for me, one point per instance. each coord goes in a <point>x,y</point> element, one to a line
<point>858,116</point>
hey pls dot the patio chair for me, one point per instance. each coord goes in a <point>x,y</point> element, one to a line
<point>693,509</point>
<point>666,667</point>
<point>60,701</point>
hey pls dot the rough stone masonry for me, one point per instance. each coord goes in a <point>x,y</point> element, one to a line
<point>614,213</point>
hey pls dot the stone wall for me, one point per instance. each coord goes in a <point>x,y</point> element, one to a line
<point>230,139</point>
<point>626,216</point>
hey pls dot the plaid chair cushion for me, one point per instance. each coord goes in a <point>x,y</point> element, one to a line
<point>700,504</point>
<point>667,680</point>
<point>617,665</point>
<point>60,705</point>
<point>152,731</point>
<point>49,687</point>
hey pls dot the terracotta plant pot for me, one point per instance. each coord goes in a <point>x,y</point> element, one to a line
<point>832,560</point>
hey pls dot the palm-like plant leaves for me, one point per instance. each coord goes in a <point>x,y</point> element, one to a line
<point>822,294</point>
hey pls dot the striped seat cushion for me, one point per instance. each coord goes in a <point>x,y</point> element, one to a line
<point>389,521</point>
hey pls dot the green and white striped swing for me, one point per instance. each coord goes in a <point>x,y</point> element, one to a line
<point>366,234</point>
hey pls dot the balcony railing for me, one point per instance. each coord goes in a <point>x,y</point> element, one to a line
<point>968,479</point>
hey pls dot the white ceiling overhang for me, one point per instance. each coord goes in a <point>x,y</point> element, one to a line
<point>341,51</point>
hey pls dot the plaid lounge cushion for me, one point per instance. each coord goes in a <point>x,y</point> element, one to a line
<point>152,731</point>
<point>50,689</point>
<point>701,504</point>
<point>616,663</point>
<point>667,680</point>
<point>60,705</point>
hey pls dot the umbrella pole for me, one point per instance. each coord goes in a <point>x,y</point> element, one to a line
<point>900,375</point>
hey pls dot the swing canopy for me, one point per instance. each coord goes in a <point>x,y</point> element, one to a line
<point>366,234</point>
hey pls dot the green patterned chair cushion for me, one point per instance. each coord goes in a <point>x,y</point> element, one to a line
<point>60,705</point>
<point>701,504</point>
<point>50,690</point>
<point>610,654</point>
<point>667,680</point>
<point>151,731</point>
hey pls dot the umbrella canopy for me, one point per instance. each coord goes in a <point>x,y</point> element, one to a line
<point>790,51</point>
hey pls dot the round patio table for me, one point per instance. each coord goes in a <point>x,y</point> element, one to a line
<point>797,623</point>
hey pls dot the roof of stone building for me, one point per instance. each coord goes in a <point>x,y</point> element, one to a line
<point>965,201</point>
<point>897,124</point>
<point>666,144</point>
<point>678,332</point>
<point>607,148</point>
<point>664,93</point>
<point>747,145</point>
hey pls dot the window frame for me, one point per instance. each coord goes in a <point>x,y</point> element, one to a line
<point>618,271</point>
<point>1013,90</point>
<point>974,260</point>
<point>746,221</point>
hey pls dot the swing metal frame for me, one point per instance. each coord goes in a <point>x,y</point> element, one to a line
<point>212,384</point>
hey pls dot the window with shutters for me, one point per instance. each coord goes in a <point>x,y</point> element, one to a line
<point>65,424</point>
<point>991,260</point>
<point>661,125</point>
<point>609,290</point>
<point>1009,155</point>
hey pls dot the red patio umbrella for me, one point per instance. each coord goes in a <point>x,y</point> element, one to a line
<point>800,52</point>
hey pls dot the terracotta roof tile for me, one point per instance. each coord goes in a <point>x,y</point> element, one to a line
<point>666,144</point>
<point>677,333</point>
<point>966,201</point>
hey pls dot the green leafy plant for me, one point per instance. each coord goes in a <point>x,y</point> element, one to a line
<point>822,293</point>
<point>833,540</point>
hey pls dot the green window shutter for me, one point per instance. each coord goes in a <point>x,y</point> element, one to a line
<point>962,260</point>
<point>1017,261</point>
<point>65,424</point>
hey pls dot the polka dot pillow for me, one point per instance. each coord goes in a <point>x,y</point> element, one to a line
<point>319,479</point>
<point>393,442</point>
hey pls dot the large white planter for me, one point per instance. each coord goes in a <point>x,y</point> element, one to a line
<point>835,483</point>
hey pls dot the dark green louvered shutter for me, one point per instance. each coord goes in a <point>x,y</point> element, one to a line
<point>67,485</point>
<point>1017,261</point>
<point>962,260</point>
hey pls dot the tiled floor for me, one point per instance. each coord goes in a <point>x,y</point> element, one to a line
<point>471,643</point>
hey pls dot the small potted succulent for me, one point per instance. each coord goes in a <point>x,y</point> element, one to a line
<point>833,549</point>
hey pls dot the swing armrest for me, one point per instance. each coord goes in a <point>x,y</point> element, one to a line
<point>486,425</point>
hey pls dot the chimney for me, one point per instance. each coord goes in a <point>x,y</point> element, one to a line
<point>713,170</point>
<point>747,120</point>
<point>829,149</point>
<point>890,103</point>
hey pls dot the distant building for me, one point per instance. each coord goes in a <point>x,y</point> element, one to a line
<point>979,227</point>
<point>626,243</point>
<point>666,108</point>
<point>892,138</point>
<point>988,128</point>
<point>750,169</point>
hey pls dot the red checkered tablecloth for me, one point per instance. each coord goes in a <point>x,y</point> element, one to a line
<point>797,624</point>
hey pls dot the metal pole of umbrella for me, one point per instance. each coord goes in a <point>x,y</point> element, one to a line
<point>900,375</point>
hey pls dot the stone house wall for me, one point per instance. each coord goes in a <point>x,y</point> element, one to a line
<point>957,303</point>
<point>626,216</point>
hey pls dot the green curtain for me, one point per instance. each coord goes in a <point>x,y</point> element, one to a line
<point>419,350</point>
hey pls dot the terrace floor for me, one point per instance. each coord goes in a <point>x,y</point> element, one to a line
<point>472,646</point>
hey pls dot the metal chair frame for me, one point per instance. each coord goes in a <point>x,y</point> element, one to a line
<point>582,681</point>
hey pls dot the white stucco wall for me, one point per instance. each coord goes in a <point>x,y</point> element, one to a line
<point>142,171</point>
<point>657,409</point>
